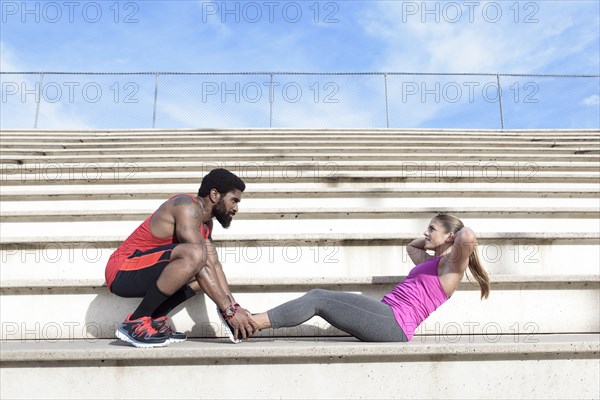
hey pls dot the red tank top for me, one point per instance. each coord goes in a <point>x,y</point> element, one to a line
<point>141,239</point>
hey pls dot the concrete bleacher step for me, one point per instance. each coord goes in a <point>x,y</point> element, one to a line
<point>523,255</point>
<point>327,159</point>
<point>201,148</point>
<point>28,211</point>
<point>19,172</point>
<point>295,133</point>
<point>328,209</point>
<point>304,229</point>
<point>308,368</point>
<point>79,309</point>
<point>578,141</point>
<point>372,177</point>
<point>64,148</point>
<point>35,191</point>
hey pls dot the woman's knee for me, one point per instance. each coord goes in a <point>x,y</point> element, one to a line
<point>317,293</point>
<point>316,296</point>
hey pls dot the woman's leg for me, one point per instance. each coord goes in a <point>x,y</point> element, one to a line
<point>362,317</point>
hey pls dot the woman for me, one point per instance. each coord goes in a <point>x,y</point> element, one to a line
<point>399,313</point>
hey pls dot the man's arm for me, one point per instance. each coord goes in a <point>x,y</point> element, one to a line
<point>242,321</point>
<point>213,257</point>
<point>210,278</point>
<point>187,218</point>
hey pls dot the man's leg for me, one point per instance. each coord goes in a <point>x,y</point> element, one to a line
<point>160,275</point>
<point>176,299</point>
<point>185,261</point>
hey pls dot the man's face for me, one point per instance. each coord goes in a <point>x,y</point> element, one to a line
<point>227,207</point>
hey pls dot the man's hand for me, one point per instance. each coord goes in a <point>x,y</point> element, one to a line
<point>242,323</point>
<point>242,310</point>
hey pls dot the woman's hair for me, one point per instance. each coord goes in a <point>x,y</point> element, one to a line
<point>453,224</point>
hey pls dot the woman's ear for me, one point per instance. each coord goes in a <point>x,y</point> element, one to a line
<point>451,237</point>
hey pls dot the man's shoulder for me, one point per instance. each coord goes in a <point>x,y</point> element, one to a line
<point>182,199</point>
<point>183,206</point>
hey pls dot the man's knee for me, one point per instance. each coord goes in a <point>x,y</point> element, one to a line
<point>194,256</point>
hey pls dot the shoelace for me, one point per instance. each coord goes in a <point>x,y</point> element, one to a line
<point>144,328</point>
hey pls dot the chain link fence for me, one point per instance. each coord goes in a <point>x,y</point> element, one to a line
<point>52,100</point>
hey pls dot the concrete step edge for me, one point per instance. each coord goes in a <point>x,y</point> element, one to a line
<point>508,178</point>
<point>250,282</point>
<point>317,212</point>
<point>254,189</point>
<point>298,157</point>
<point>297,137</point>
<point>291,132</point>
<point>253,147</point>
<point>307,154</point>
<point>284,131</point>
<point>291,175</point>
<point>84,143</point>
<point>385,165</point>
<point>257,188</point>
<point>335,238</point>
<point>510,346</point>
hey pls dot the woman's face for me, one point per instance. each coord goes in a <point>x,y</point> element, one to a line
<point>435,235</point>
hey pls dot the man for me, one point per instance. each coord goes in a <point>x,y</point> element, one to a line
<point>170,257</point>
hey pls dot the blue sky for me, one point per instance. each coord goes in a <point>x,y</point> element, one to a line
<point>508,37</point>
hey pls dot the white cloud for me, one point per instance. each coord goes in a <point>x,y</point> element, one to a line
<point>183,113</point>
<point>309,101</point>
<point>416,42</point>
<point>19,102</point>
<point>7,59</point>
<point>593,100</point>
<point>56,116</point>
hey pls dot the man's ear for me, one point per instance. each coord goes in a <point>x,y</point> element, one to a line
<point>214,195</point>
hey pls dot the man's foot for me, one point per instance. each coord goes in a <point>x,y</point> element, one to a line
<point>141,333</point>
<point>161,325</point>
<point>228,328</point>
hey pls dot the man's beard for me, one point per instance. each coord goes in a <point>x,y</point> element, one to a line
<point>221,214</point>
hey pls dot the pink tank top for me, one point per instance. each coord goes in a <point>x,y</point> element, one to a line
<point>417,296</point>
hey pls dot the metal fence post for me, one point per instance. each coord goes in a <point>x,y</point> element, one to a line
<point>387,109</point>
<point>38,100</point>
<point>155,97</point>
<point>271,103</point>
<point>500,101</point>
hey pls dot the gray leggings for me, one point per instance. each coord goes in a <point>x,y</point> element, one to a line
<point>364,318</point>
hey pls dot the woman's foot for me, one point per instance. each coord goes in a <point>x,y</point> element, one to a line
<point>262,320</point>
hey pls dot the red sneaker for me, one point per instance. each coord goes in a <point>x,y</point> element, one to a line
<point>141,333</point>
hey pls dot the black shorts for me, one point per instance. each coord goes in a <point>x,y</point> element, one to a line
<point>141,270</point>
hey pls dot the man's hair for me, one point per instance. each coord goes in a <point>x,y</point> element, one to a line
<point>222,180</point>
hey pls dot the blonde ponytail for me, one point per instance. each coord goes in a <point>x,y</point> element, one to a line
<point>479,274</point>
<point>453,224</point>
